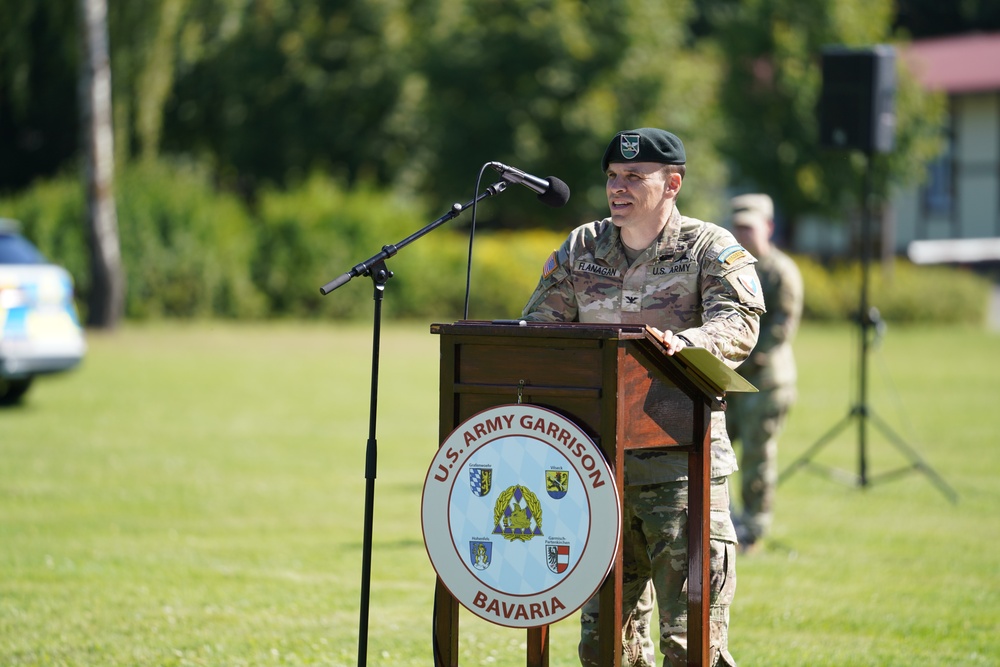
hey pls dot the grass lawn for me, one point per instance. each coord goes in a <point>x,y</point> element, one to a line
<point>194,495</point>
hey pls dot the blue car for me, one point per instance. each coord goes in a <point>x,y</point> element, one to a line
<point>40,331</point>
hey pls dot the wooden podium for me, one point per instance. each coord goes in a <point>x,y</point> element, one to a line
<point>617,383</point>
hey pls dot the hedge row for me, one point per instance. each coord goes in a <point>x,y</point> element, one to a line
<point>902,292</point>
<point>191,252</point>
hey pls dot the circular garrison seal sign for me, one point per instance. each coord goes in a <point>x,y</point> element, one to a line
<point>521,515</point>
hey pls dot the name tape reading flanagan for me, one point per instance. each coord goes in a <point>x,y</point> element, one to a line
<point>521,515</point>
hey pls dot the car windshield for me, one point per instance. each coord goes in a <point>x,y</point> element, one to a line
<point>17,250</point>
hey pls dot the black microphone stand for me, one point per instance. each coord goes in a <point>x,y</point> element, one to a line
<point>380,274</point>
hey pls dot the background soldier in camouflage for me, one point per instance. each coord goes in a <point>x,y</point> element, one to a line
<point>756,419</point>
<point>693,283</point>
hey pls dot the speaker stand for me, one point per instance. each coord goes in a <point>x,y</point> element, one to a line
<point>860,412</point>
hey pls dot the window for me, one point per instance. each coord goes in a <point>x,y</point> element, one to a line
<point>938,192</point>
<point>16,249</point>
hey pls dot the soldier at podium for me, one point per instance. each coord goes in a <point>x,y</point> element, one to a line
<point>692,282</point>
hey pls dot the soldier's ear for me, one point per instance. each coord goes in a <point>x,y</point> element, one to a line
<point>674,183</point>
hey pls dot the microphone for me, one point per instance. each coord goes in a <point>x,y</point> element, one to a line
<point>551,191</point>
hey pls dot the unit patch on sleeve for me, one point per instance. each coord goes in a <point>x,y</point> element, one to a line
<point>732,254</point>
<point>750,282</point>
<point>746,286</point>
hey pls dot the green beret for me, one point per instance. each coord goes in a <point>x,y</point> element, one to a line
<point>647,144</point>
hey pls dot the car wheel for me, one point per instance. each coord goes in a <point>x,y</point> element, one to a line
<point>11,391</point>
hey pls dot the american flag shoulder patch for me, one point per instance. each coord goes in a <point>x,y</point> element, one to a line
<point>550,265</point>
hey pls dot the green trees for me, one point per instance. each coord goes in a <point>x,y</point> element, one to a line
<point>400,102</point>
<point>416,96</point>
<point>39,128</point>
<point>270,91</point>
<point>544,85</point>
<point>419,97</point>
<point>409,95</point>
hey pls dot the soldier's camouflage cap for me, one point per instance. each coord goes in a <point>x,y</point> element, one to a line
<point>752,210</point>
<point>647,144</point>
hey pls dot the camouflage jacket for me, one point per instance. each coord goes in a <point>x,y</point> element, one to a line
<point>772,364</point>
<point>695,280</point>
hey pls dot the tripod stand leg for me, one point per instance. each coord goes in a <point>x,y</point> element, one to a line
<point>807,456</point>
<point>914,457</point>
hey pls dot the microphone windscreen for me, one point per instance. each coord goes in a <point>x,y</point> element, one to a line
<point>557,194</point>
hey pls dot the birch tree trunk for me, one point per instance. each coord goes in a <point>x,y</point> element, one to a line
<point>106,301</point>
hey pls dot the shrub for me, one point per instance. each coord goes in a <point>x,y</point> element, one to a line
<point>185,248</point>
<point>52,217</point>
<point>506,266</point>
<point>318,231</point>
<point>191,251</point>
<point>903,293</point>
<point>509,266</point>
<point>431,277</point>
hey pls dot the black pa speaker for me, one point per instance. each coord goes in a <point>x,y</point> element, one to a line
<point>857,105</point>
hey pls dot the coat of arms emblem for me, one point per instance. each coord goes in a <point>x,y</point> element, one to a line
<point>556,483</point>
<point>557,557</point>
<point>480,554</point>
<point>481,480</point>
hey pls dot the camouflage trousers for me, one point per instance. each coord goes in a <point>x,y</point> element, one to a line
<point>756,421</point>
<point>655,564</point>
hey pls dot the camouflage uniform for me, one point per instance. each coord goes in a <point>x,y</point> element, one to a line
<point>696,281</point>
<point>757,419</point>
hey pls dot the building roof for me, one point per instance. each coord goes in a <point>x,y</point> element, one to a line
<point>957,64</point>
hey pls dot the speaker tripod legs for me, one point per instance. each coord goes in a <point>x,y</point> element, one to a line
<point>806,458</point>
<point>863,414</point>
<point>916,461</point>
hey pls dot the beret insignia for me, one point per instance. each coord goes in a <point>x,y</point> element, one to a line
<point>630,146</point>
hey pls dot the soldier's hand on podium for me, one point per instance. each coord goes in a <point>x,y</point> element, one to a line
<point>672,341</point>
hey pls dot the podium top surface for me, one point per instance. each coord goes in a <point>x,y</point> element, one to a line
<point>544,329</point>
<point>695,360</point>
